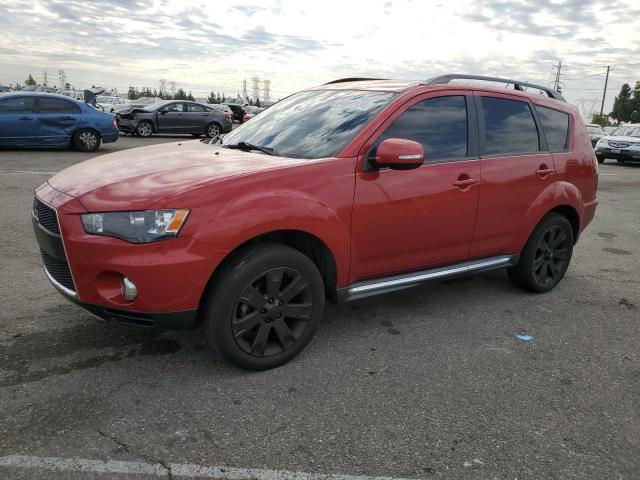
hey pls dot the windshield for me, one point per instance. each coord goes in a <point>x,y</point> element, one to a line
<point>626,131</point>
<point>595,130</point>
<point>152,107</point>
<point>311,124</point>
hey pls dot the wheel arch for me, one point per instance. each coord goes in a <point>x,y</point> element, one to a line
<point>305,242</point>
<point>79,128</point>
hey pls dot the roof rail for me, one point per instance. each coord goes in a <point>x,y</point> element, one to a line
<point>517,85</point>
<point>351,79</point>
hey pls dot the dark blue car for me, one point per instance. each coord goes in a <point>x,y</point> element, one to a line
<point>46,120</point>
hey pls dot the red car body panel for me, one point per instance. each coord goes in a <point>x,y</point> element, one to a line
<point>374,223</point>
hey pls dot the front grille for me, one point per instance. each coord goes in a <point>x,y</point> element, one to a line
<point>615,144</point>
<point>46,216</point>
<point>59,270</point>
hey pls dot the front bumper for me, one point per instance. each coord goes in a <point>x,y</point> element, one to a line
<point>170,276</point>
<point>619,154</point>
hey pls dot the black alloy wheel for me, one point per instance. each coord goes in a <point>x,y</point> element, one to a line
<point>546,255</point>
<point>263,305</point>
<point>272,312</point>
<point>552,255</point>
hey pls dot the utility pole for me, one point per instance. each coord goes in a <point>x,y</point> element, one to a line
<point>63,79</point>
<point>266,96</point>
<point>45,80</point>
<point>604,94</point>
<point>558,68</point>
<point>244,89</point>
<point>255,88</point>
<point>163,86</point>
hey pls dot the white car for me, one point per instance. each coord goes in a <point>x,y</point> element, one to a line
<point>110,104</point>
<point>623,144</point>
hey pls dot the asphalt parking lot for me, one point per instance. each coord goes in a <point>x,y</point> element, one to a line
<point>426,383</point>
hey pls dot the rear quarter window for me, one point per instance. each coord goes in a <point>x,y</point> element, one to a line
<point>556,128</point>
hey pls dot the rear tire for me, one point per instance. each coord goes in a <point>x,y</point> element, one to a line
<point>600,158</point>
<point>86,140</point>
<point>144,129</point>
<point>213,130</point>
<point>546,255</point>
<point>264,307</point>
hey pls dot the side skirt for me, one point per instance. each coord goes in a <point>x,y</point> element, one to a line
<point>368,288</point>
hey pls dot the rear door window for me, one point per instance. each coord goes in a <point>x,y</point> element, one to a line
<point>556,128</point>
<point>439,124</point>
<point>509,127</point>
<point>56,105</point>
<point>16,106</point>
<point>192,107</point>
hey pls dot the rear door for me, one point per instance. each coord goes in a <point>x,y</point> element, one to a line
<point>17,121</point>
<point>198,117</point>
<point>516,170</point>
<point>56,118</point>
<point>172,118</point>
<point>412,219</point>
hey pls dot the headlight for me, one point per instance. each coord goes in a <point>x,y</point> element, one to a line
<point>136,227</point>
<point>601,142</point>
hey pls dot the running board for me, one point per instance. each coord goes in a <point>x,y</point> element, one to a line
<point>378,286</point>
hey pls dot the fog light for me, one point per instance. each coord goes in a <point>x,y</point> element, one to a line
<point>129,290</point>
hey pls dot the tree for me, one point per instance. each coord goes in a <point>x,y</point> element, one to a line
<point>257,101</point>
<point>598,119</point>
<point>622,105</point>
<point>635,103</point>
<point>223,99</point>
<point>190,97</point>
<point>180,95</point>
<point>30,81</point>
<point>211,98</point>
<point>131,94</point>
<point>218,98</point>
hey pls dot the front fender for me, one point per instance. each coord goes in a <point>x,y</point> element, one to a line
<point>555,195</point>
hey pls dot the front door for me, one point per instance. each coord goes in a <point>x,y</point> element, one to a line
<point>405,220</point>
<point>172,118</point>
<point>516,169</point>
<point>17,121</point>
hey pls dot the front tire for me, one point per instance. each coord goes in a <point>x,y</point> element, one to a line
<point>600,158</point>
<point>144,129</point>
<point>264,307</point>
<point>86,140</point>
<point>546,255</point>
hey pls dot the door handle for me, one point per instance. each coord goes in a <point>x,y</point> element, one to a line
<point>465,182</point>
<point>26,118</point>
<point>543,172</point>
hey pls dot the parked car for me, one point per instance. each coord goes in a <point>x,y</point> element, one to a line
<point>4,89</point>
<point>342,191</point>
<point>595,131</point>
<point>251,112</point>
<point>46,119</point>
<point>108,103</point>
<point>238,111</point>
<point>75,94</point>
<point>222,107</point>
<point>175,116</point>
<point>623,144</point>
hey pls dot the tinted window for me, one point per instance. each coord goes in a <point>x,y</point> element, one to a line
<point>16,105</point>
<point>312,124</point>
<point>55,105</point>
<point>439,124</point>
<point>192,107</point>
<point>510,127</point>
<point>556,128</point>
<point>173,107</point>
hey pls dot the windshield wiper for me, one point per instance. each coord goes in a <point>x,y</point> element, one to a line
<point>250,146</point>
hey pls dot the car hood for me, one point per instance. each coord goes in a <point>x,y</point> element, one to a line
<point>138,178</point>
<point>617,138</point>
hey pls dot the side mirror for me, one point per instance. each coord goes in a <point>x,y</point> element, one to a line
<point>399,154</point>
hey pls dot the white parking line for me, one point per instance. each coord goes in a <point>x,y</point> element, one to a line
<point>174,470</point>
<point>608,174</point>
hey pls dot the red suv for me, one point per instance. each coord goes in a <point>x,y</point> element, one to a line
<point>351,189</point>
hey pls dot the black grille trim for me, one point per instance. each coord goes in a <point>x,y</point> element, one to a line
<point>58,270</point>
<point>46,216</point>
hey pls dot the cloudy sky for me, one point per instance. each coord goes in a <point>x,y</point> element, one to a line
<point>300,43</point>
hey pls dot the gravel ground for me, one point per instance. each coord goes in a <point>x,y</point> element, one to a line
<point>425,383</point>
